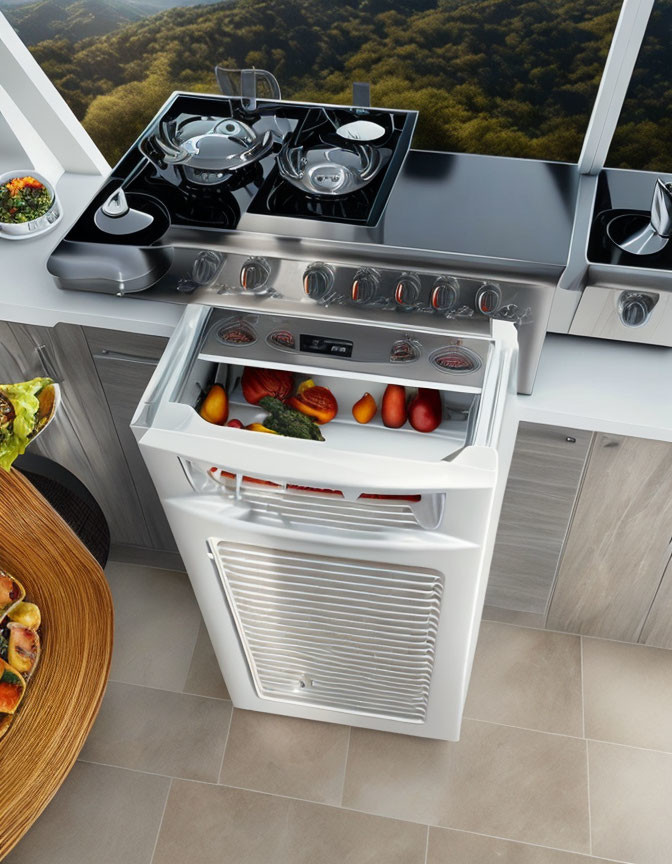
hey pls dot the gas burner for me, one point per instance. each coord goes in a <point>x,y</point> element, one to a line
<point>193,205</point>
<point>285,200</point>
<point>331,171</point>
<point>207,150</point>
<point>338,165</point>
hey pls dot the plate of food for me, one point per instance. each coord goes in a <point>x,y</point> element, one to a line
<point>19,646</point>
<point>26,409</point>
<point>29,206</point>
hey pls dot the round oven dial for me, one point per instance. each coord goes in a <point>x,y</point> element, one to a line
<point>445,294</point>
<point>404,351</point>
<point>365,285</point>
<point>635,309</point>
<point>318,280</point>
<point>488,299</point>
<point>254,274</point>
<point>407,290</point>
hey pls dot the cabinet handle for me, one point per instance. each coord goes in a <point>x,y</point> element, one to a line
<point>48,366</point>
<point>106,354</point>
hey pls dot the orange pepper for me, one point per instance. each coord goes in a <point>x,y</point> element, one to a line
<point>317,402</point>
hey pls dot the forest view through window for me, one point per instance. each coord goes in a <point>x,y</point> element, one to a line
<point>505,77</point>
<point>643,137</point>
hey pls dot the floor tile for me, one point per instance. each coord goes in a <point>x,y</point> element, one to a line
<point>630,803</point>
<point>461,847</point>
<point>156,623</point>
<point>206,824</point>
<point>628,693</point>
<point>529,678</point>
<point>328,835</point>
<point>498,780</point>
<point>100,814</point>
<point>160,731</point>
<point>205,677</point>
<point>286,756</point>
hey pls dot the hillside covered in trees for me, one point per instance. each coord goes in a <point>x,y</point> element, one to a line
<point>510,77</point>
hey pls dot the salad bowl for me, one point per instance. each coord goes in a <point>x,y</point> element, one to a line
<point>29,202</point>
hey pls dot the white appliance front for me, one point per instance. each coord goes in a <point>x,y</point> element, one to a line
<point>340,580</point>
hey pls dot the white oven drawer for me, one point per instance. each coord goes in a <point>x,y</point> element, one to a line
<point>461,453</point>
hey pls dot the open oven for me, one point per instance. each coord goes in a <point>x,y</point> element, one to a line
<point>340,580</point>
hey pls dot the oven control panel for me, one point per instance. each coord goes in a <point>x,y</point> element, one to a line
<point>439,357</point>
<point>323,284</point>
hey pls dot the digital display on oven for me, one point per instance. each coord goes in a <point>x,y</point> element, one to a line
<point>325,345</point>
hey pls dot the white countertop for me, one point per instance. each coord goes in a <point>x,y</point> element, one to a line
<point>593,384</point>
<point>604,386</point>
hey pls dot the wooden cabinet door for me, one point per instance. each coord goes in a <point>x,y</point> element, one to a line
<point>82,437</point>
<point>543,482</point>
<point>125,363</point>
<point>619,540</point>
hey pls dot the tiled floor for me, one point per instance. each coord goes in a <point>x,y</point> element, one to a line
<point>565,758</point>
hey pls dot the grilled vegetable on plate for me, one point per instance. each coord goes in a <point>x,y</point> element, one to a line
<point>19,646</point>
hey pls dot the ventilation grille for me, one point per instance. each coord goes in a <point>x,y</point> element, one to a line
<point>327,511</point>
<point>334,633</point>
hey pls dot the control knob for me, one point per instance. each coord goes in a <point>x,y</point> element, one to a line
<point>318,280</point>
<point>445,294</point>
<point>254,274</point>
<point>407,292</point>
<point>365,285</point>
<point>635,309</point>
<point>488,299</point>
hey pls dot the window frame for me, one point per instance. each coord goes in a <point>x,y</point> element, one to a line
<point>614,84</point>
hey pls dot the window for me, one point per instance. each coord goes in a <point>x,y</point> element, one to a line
<point>643,137</point>
<point>509,77</point>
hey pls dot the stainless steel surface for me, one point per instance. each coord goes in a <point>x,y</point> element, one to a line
<point>629,316</point>
<point>661,209</point>
<point>494,212</point>
<point>352,348</point>
<point>618,295</point>
<point>460,236</point>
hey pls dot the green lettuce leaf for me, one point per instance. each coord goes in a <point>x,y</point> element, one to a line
<point>15,438</point>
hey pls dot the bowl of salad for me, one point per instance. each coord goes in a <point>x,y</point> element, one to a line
<point>28,205</point>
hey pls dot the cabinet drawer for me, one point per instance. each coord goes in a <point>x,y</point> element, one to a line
<point>132,347</point>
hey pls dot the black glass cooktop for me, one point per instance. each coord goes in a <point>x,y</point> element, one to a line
<point>208,160</point>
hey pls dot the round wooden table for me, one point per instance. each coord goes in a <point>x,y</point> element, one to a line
<point>63,696</point>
